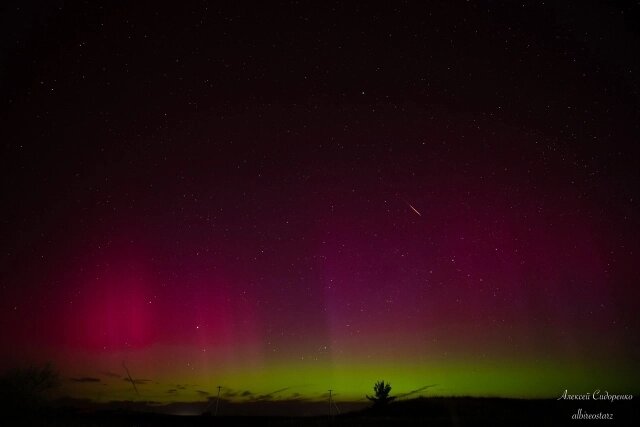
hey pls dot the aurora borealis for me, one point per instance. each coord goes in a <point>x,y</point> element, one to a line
<point>285,201</point>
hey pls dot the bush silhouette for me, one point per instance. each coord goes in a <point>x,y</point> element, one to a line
<point>381,394</point>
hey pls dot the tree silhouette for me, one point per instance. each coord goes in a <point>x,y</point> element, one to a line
<point>381,394</point>
<point>24,388</point>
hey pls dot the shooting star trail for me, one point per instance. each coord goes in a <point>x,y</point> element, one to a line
<point>408,204</point>
<point>413,209</point>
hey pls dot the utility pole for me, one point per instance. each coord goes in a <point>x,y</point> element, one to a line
<point>330,393</point>
<point>131,380</point>
<point>217,401</point>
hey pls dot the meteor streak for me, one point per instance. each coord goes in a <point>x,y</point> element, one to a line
<point>414,209</point>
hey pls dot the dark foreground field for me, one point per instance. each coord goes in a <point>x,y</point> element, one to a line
<point>458,411</point>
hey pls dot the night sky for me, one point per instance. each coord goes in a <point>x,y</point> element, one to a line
<point>283,200</point>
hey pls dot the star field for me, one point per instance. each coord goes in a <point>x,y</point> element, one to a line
<point>310,197</point>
